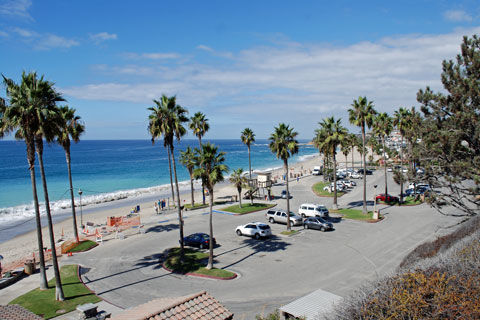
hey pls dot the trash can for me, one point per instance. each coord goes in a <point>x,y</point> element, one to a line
<point>29,267</point>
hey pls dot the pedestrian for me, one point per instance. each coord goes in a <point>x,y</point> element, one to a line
<point>298,178</point>
<point>156,207</point>
<point>163,204</point>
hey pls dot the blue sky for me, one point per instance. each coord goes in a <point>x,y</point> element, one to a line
<point>243,63</point>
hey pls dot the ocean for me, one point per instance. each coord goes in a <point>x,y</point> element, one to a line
<point>110,170</point>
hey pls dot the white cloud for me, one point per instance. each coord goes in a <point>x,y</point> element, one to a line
<point>16,8</point>
<point>457,16</point>
<point>102,36</point>
<point>44,41</point>
<point>299,84</point>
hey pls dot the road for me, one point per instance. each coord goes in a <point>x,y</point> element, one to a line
<point>271,272</point>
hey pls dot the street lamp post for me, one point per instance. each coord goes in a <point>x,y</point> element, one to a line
<point>375,202</point>
<point>80,192</point>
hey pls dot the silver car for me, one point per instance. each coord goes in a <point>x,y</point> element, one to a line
<point>280,216</point>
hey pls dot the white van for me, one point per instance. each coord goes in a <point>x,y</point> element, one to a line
<point>313,210</point>
<point>317,170</point>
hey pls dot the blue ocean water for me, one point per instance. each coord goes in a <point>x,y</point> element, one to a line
<point>109,170</point>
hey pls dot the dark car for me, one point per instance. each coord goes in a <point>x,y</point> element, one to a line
<point>419,190</point>
<point>284,194</point>
<point>317,223</point>
<point>201,240</point>
<point>386,198</point>
<point>369,172</point>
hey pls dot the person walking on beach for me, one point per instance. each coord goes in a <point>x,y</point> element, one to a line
<point>156,207</point>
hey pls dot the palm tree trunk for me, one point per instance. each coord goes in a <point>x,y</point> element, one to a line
<point>41,257</point>
<point>210,253</point>
<point>401,170</point>
<point>180,218</point>
<point>250,173</point>
<point>170,170</point>
<point>385,164</point>
<point>335,205</point>
<point>59,296</point>
<point>191,187</point>
<point>353,163</point>
<point>365,210</point>
<point>74,215</point>
<point>288,197</point>
<point>240,197</point>
<point>203,184</point>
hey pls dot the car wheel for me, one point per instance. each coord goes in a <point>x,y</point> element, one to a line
<point>271,220</point>
<point>322,229</point>
<point>202,246</point>
<point>257,236</point>
<point>239,233</point>
<point>303,215</point>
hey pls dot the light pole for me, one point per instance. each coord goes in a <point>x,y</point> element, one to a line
<point>375,202</point>
<point>80,192</point>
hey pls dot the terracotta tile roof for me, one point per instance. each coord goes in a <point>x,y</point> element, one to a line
<point>16,312</point>
<point>192,307</point>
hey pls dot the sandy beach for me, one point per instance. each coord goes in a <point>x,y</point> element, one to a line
<point>24,245</point>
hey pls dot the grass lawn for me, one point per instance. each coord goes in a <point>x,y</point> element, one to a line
<point>289,233</point>
<point>194,262</point>
<point>355,214</point>
<point>410,201</point>
<point>43,303</point>
<point>318,190</point>
<point>247,207</point>
<point>84,246</point>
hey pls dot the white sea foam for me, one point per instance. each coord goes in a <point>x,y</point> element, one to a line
<point>27,211</point>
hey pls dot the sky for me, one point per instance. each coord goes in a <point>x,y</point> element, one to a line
<point>243,63</point>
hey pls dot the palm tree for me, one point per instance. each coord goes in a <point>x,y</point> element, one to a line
<point>187,159</point>
<point>401,121</point>
<point>21,116</point>
<point>167,120</point>
<point>382,127</point>
<point>331,134</point>
<point>239,181</point>
<point>284,145</point>
<point>345,146</point>
<point>211,169</point>
<point>248,137</point>
<point>361,115</point>
<point>69,125</point>
<point>199,125</point>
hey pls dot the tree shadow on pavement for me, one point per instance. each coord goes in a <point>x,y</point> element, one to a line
<point>355,204</point>
<point>271,244</point>
<point>163,227</point>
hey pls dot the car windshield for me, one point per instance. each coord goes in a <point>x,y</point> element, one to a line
<point>292,214</point>
<point>321,209</point>
<point>263,227</point>
<point>321,220</point>
<point>204,236</point>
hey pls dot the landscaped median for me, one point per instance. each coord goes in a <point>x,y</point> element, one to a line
<point>43,303</point>
<point>193,264</point>
<point>318,190</point>
<point>356,214</point>
<point>248,208</point>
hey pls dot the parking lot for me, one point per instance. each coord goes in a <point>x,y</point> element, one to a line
<point>271,272</point>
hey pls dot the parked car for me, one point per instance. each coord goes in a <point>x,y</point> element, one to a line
<point>317,223</point>
<point>356,175</point>
<point>390,169</point>
<point>418,190</point>
<point>280,216</point>
<point>284,194</point>
<point>330,188</point>
<point>419,185</point>
<point>313,210</point>
<point>201,240</point>
<point>317,170</point>
<point>254,229</point>
<point>369,172</point>
<point>386,198</point>
<point>349,183</point>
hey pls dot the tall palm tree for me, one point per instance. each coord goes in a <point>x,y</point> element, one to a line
<point>401,120</point>
<point>21,116</point>
<point>345,147</point>
<point>239,181</point>
<point>211,169</point>
<point>331,134</point>
<point>167,120</point>
<point>248,137</point>
<point>199,125</point>
<point>284,145</point>
<point>382,127</point>
<point>352,138</point>
<point>187,159</point>
<point>69,126</point>
<point>361,114</point>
